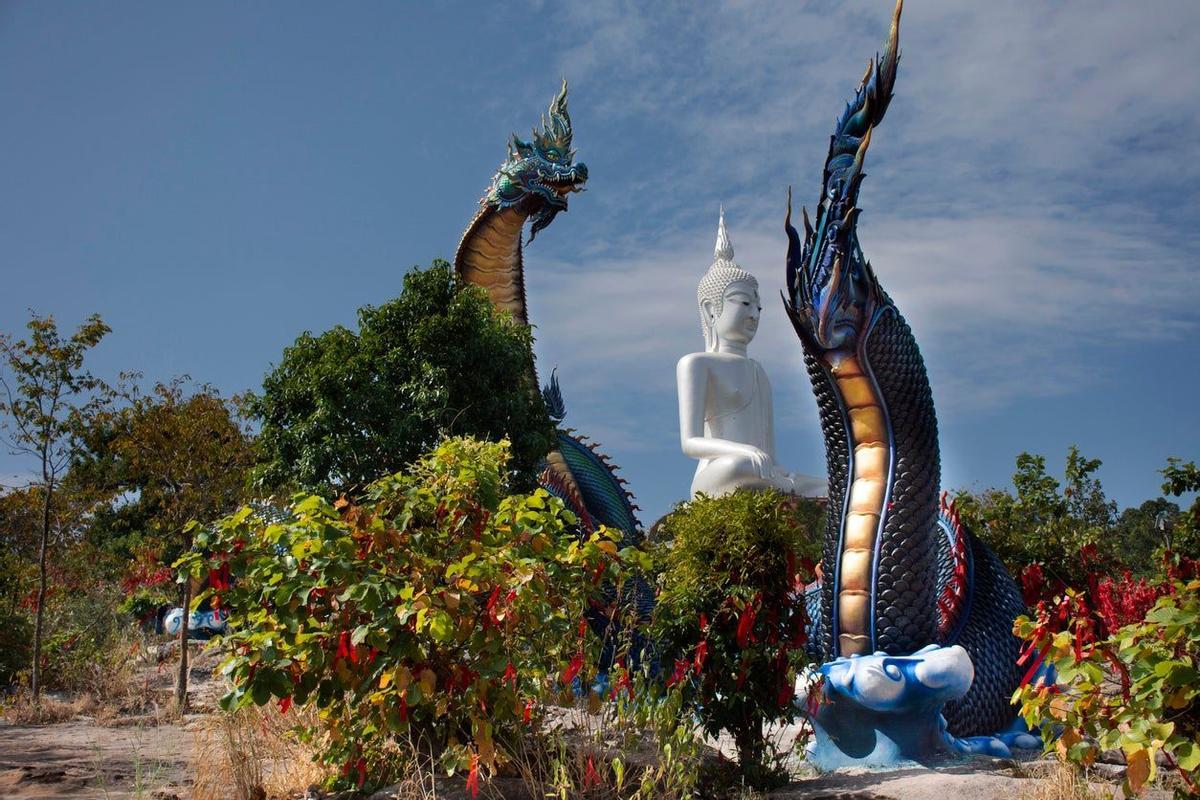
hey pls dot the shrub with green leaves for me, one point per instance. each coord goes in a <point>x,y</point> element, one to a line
<point>1137,689</point>
<point>346,406</point>
<point>439,610</point>
<point>730,619</point>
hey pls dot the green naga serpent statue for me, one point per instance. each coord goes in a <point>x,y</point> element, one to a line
<point>533,184</point>
<point>913,608</point>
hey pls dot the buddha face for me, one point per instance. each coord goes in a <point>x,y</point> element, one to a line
<point>737,321</point>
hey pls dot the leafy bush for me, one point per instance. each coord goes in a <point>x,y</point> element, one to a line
<point>1045,522</point>
<point>148,585</point>
<point>16,635</point>
<point>1134,686</point>
<point>91,645</point>
<point>439,610</point>
<point>730,618</point>
<point>1181,478</point>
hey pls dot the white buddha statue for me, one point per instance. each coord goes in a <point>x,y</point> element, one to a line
<point>726,418</point>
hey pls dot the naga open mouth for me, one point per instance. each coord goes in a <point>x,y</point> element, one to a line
<point>564,189</point>
<point>567,182</point>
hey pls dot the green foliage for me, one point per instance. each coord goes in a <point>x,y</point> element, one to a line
<point>1045,521</point>
<point>1144,531</point>
<point>91,643</point>
<point>180,457</point>
<point>48,394</point>
<point>1137,690</point>
<point>161,459</point>
<point>73,568</point>
<point>345,407</point>
<point>438,609</point>
<point>16,632</point>
<point>730,617</point>
<point>1184,530</point>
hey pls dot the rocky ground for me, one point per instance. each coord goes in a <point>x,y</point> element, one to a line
<point>79,759</point>
<point>152,757</point>
<point>99,756</point>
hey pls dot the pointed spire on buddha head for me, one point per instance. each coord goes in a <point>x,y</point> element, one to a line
<point>724,271</point>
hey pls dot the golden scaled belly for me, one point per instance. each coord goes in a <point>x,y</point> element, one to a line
<point>864,507</point>
<point>490,256</point>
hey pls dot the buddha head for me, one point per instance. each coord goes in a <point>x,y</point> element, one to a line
<point>727,297</point>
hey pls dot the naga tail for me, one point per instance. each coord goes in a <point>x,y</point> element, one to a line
<point>585,478</point>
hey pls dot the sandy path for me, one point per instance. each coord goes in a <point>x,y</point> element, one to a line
<point>80,759</point>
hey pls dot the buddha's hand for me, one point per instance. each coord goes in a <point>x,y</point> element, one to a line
<point>763,464</point>
<point>806,485</point>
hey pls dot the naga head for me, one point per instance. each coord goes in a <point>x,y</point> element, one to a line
<point>539,174</point>
<point>831,289</point>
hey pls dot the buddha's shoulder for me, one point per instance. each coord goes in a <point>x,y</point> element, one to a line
<point>705,359</point>
<point>696,361</point>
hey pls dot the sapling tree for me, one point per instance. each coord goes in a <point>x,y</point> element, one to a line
<point>184,456</point>
<point>47,395</point>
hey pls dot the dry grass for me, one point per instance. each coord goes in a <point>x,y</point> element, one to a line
<point>48,711</point>
<point>106,687</point>
<point>1063,782</point>
<point>252,754</point>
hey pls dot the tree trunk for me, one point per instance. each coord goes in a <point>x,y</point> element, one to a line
<point>751,749</point>
<point>182,681</point>
<point>40,612</point>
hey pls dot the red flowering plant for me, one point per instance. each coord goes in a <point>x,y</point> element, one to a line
<point>147,584</point>
<point>437,610</point>
<point>1127,659</point>
<point>730,621</point>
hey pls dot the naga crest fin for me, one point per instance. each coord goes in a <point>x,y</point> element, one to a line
<point>556,407</point>
<point>829,283</point>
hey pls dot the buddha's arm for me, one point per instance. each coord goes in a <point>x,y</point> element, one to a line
<point>769,406</point>
<point>691,377</point>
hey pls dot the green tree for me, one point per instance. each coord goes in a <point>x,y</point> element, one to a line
<point>183,456</point>
<point>1046,521</point>
<point>1179,479</point>
<point>1142,531</point>
<point>346,407</point>
<point>47,396</point>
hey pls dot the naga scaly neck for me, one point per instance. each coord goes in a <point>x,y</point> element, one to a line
<point>489,255</point>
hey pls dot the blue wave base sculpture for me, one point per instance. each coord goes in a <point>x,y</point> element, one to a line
<point>882,711</point>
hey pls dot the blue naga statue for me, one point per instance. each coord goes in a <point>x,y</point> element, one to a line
<point>915,612</point>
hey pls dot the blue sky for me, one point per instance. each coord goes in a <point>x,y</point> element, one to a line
<point>215,178</point>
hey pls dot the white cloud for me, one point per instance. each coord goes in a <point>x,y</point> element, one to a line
<point>1037,299</point>
<point>1031,203</point>
<point>1022,190</point>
